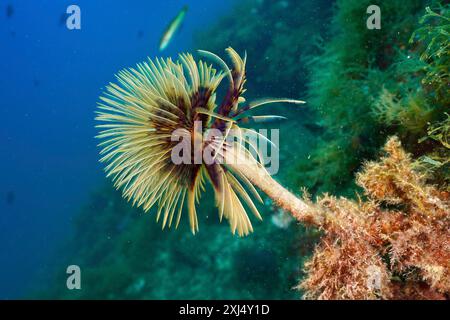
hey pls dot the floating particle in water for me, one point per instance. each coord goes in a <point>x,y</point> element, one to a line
<point>9,10</point>
<point>282,219</point>
<point>10,197</point>
<point>140,34</point>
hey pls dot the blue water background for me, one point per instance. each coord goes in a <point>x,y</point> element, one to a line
<point>50,80</point>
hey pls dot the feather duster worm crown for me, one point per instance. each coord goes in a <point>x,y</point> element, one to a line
<point>139,115</point>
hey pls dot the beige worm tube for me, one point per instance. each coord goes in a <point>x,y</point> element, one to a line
<point>282,197</point>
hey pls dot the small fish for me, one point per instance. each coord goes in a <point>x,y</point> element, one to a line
<point>9,10</point>
<point>261,119</point>
<point>172,29</point>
